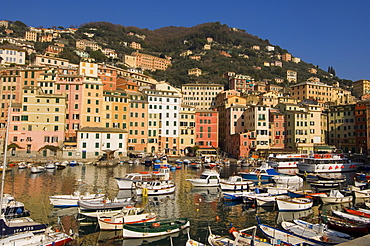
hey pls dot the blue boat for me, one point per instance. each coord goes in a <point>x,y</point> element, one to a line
<point>263,173</point>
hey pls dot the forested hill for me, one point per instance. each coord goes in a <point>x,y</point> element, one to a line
<point>231,50</point>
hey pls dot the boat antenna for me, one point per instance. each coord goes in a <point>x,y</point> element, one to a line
<point>5,151</point>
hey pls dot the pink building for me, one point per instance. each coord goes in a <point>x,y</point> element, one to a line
<point>206,128</point>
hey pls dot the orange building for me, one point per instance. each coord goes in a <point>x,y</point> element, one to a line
<point>206,128</point>
<point>149,62</point>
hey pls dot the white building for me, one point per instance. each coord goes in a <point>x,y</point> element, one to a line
<point>93,142</point>
<point>12,54</point>
<point>164,116</point>
<point>257,120</point>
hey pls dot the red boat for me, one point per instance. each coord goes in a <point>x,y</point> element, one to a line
<point>357,212</point>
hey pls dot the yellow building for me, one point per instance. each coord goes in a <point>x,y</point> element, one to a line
<point>149,62</point>
<point>201,96</point>
<point>187,129</point>
<point>361,87</point>
<point>195,71</point>
<point>316,91</point>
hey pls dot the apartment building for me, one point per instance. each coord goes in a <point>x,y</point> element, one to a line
<point>257,120</point>
<point>138,120</point>
<point>341,127</point>
<point>206,128</point>
<point>42,60</point>
<point>286,57</point>
<point>241,83</point>
<point>201,96</point>
<point>164,108</point>
<point>96,141</point>
<point>12,54</point>
<point>40,121</point>
<point>277,129</point>
<point>316,91</point>
<point>361,87</point>
<point>195,71</point>
<point>149,62</point>
<point>291,76</point>
<point>187,130</point>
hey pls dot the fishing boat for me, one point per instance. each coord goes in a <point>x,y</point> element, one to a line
<point>344,225</point>
<point>264,201</point>
<point>285,236</point>
<point>327,163</point>
<point>263,173</point>
<point>192,242</point>
<point>48,238</point>
<point>241,238</point>
<point>154,229</point>
<point>326,184</point>
<point>93,205</point>
<point>286,203</point>
<point>71,200</point>
<point>355,218</point>
<point>156,187</point>
<point>362,213</point>
<point>362,193</point>
<point>336,196</point>
<point>285,161</point>
<point>127,182</point>
<point>128,215</point>
<point>313,235</point>
<point>208,178</point>
<point>236,183</point>
<point>321,228</point>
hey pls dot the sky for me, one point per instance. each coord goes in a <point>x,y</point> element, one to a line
<point>326,33</point>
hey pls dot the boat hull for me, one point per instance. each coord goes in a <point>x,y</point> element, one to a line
<point>116,223</point>
<point>294,204</point>
<point>72,201</point>
<point>345,199</point>
<point>129,231</point>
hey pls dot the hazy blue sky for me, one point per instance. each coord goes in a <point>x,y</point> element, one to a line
<point>322,32</point>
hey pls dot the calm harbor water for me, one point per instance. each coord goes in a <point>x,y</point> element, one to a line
<point>203,206</point>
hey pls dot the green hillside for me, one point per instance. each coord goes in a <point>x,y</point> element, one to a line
<point>172,41</point>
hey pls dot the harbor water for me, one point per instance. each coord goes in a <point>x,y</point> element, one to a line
<point>204,207</point>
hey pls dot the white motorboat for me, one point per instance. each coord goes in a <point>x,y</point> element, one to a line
<point>286,203</point>
<point>128,215</point>
<point>12,208</point>
<point>319,237</point>
<point>287,179</point>
<point>127,182</point>
<point>50,165</point>
<point>336,196</point>
<point>71,200</point>
<point>156,187</point>
<point>208,178</point>
<point>236,183</point>
<point>327,163</point>
<point>37,169</point>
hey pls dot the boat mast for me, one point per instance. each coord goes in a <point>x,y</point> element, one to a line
<point>5,153</point>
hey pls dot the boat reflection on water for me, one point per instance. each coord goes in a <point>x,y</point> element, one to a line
<point>290,216</point>
<point>115,238</point>
<point>325,209</point>
<point>60,212</point>
<point>206,194</point>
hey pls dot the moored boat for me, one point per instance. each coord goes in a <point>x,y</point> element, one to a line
<point>327,163</point>
<point>356,218</point>
<point>236,183</point>
<point>127,182</point>
<point>262,173</point>
<point>285,161</point>
<point>362,193</point>
<point>284,236</point>
<point>128,215</point>
<point>344,225</point>
<point>37,169</point>
<point>154,229</point>
<point>71,200</point>
<point>208,178</point>
<point>48,238</point>
<point>18,225</point>
<point>336,196</point>
<point>317,236</point>
<point>93,205</point>
<point>156,187</point>
<point>321,228</point>
<point>361,213</point>
<point>293,204</point>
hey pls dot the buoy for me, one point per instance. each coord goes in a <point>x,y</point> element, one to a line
<point>217,218</point>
